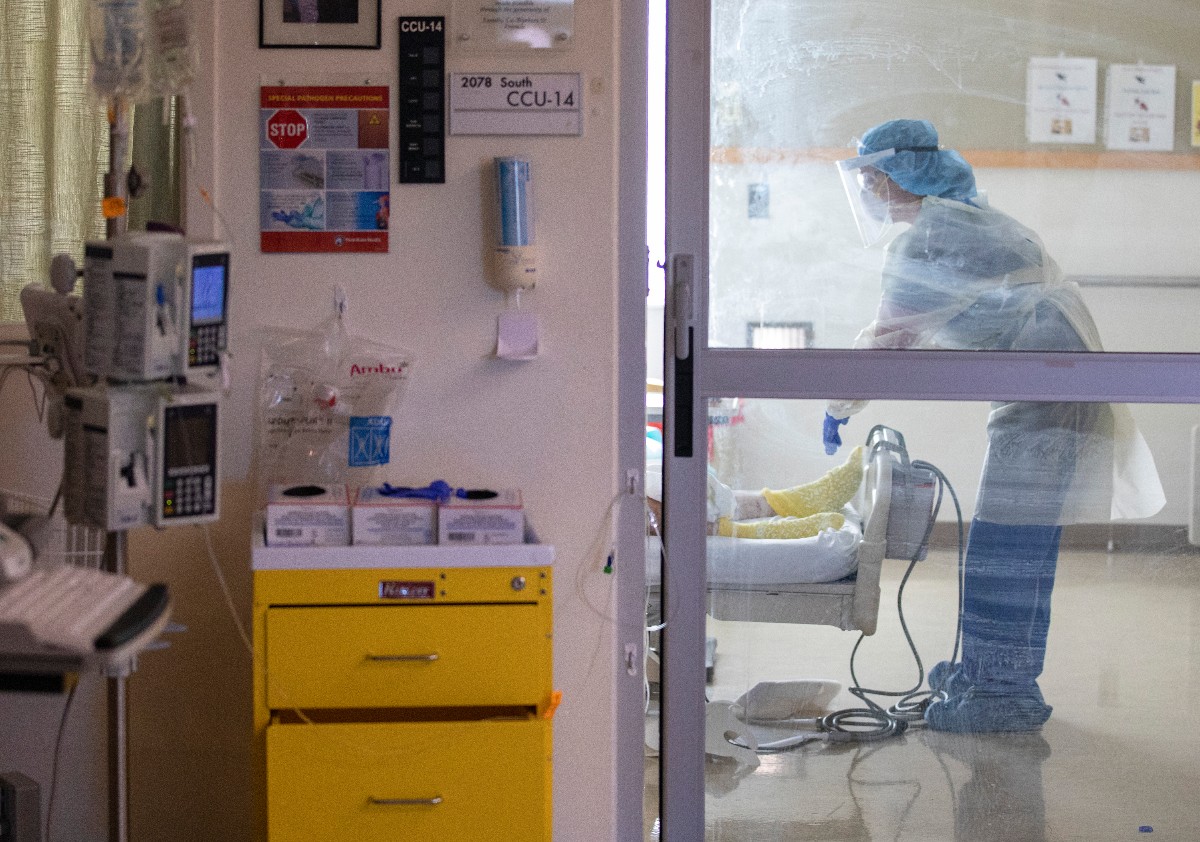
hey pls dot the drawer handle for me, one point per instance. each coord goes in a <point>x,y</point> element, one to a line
<point>405,802</point>
<point>432,656</point>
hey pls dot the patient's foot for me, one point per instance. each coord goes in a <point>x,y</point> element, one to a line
<point>827,494</point>
<point>782,527</point>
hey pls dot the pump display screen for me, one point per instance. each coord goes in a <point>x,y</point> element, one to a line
<point>208,291</point>
<point>207,332</point>
<point>189,452</point>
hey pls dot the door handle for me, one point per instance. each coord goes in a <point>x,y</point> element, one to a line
<point>405,802</point>
<point>683,312</point>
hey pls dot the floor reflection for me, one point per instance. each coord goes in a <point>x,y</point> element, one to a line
<point>1117,760</point>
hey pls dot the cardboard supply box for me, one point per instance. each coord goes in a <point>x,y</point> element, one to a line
<point>497,520</point>
<point>383,520</point>
<point>307,515</point>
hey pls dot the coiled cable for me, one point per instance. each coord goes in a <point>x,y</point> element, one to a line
<point>874,722</point>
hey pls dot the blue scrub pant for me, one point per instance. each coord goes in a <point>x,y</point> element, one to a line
<point>1008,580</point>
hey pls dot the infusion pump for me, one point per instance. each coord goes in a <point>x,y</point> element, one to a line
<point>156,307</point>
<point>141,454</point>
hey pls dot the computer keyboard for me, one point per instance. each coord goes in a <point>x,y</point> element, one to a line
<point>78,611</point>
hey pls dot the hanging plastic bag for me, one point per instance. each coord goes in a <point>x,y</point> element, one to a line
<point>173,52</point>
<point>119,49</point>
<point>326,402</point>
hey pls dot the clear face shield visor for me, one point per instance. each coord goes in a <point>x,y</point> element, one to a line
<point>867,189</point>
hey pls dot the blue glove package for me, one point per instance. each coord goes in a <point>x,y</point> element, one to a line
<point>830,433</point>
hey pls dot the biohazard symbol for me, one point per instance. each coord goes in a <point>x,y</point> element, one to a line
<point>374,120</point>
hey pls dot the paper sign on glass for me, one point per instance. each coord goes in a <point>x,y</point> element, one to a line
<point>1060,100</point>
<point>1140,107</point>
<point>1195,113</point>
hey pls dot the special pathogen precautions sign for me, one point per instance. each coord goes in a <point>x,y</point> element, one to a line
<point>324,169</point>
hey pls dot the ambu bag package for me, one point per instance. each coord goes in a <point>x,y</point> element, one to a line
<point>326,402</point>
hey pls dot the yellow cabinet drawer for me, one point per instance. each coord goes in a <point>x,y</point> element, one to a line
<point>406,656</point>
<point>409,781</point>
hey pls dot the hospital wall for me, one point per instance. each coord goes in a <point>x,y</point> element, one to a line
<point>546,426</point>
<point>1119,231</point>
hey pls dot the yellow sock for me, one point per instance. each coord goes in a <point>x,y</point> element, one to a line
<point>781,527</point>
<point>827,494</point>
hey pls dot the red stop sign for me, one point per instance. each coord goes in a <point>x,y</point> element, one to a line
<point>287,129</point>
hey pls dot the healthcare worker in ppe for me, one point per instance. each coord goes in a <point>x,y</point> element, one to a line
<point>965,276</point>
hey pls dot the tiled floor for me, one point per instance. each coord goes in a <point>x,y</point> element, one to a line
<point>1118,760</point>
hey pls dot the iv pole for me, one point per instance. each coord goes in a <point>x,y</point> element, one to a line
<point>116,184</point>
<point>115,206</point>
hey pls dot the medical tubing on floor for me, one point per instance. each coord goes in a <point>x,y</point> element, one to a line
<point>874,722</point>
<point>652,521</point>
<point>907,707</point>
<point>962,547</point>
<point>870,723</point>
<point>56,759</point>
<point>225,592</point>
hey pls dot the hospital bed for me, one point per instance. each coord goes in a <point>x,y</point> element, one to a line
<point>829,579</point>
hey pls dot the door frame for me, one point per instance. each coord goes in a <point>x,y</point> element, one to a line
<point>628,655</point>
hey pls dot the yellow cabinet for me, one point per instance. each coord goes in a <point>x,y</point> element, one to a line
<point>403,702</point>
<point>391,781</point>
<point>340,657</point>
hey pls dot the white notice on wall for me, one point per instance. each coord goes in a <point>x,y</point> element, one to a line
<point>513,24</point>
<point>1140,107</point>
<point>1060,100</point>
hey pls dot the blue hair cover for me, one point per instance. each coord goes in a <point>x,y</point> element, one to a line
<point>918,165</point>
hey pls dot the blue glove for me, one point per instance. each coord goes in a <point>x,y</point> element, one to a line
<point>438,491</point>
<point>830,433</point>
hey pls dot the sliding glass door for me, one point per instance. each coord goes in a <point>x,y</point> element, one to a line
<point>959,238</point>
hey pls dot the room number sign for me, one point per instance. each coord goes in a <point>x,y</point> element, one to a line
<point>515,104</point>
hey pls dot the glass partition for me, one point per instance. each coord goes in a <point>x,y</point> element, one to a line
<point>838,588</point>
<point>1076,125</point>
<point>991,176</point>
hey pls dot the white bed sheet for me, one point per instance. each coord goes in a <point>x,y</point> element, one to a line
<point>829,556</point>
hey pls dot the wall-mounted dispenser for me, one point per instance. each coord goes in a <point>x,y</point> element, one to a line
<point>515,258</point>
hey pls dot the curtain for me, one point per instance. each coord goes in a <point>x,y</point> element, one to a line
<point>53,142</point>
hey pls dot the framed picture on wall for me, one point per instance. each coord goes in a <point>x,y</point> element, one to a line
<point>319,23</point>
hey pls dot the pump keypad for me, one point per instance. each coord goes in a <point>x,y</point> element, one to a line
<point>207,343</point>
<point>185,496</point>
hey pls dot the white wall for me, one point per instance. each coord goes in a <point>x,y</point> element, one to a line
<point>545,426</point>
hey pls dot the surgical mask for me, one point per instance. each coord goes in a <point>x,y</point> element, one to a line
<point>867,190</point>
<point>873,192</point>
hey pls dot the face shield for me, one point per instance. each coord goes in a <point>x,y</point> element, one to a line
<point>867,189</point>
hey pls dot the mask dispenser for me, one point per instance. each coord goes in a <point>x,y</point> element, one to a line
<point>515,259</point>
